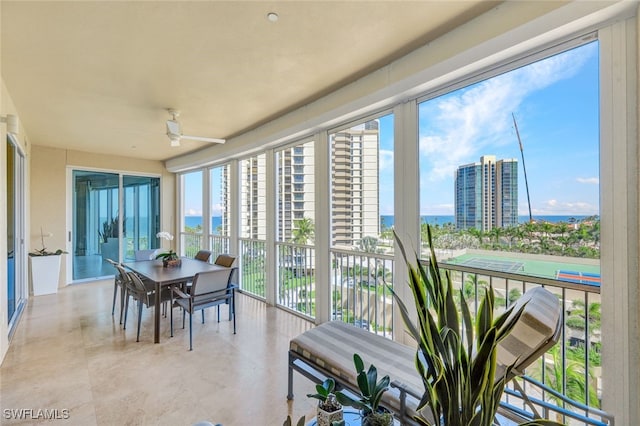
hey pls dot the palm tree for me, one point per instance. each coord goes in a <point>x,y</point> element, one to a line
<point>303,231</point>
<point>368,245</point>
<point>574,377</point>
<point>478,233</point>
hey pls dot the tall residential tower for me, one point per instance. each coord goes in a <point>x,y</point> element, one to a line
<point>486,194</point>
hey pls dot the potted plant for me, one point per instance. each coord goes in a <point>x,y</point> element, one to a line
<point>458,370</point>
<point>109,236</point>
<point>45,269</point>
<point>371,391</point>
<point>169,258</point>
<point>329,409</point>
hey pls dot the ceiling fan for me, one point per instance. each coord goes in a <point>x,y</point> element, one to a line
<point>174,131</point>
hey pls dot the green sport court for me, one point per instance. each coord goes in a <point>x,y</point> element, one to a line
<point>567,271</point>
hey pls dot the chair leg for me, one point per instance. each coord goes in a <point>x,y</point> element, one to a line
<point>218,308</point>
<point>126,310</point>
<point>171,318</point>
<point>202,315</point>
<point>123,294</point>
<point>184,312</point>
<point>190,331</point>
<point>115,291</point>
<point>139,319</point>
<point>233,305</point>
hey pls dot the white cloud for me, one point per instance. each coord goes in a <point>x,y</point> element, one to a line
<point>193,212</point>
<point>458,128</point>
<point>386,160</point>
<point>216,209</point>
<point>590,181</point>
<point>556,207</point>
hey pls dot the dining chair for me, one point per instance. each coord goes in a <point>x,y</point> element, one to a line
<point>203,255</point>
<point>208,289</point>
<point>226,260</point>
<point>143,293</point>
<point>118,283</point>
<point>147,254</point>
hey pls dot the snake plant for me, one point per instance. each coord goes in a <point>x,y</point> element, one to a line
<point>456,356</point>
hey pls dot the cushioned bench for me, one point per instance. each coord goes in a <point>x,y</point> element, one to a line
<point>327,351</point>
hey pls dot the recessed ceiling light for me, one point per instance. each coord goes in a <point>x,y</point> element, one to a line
<point>272,16</point>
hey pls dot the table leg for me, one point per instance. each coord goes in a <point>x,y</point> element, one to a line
<point>156,327</point>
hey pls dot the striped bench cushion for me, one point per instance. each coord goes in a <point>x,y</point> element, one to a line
<point>331,346</point>
<point>535,332</point>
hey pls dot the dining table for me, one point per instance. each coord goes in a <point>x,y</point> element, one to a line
<point>164,276</point>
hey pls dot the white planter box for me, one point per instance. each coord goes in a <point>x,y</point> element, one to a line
<point>45,272</point>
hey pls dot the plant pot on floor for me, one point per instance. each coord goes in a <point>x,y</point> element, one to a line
<point>45,272</point>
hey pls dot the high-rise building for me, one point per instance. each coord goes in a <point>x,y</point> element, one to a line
<point>296,188</point>
<point>486,194</point>
<point>252,199</point>
<point>354,180</point>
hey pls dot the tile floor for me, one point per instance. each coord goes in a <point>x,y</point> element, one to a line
<point>69,353</point>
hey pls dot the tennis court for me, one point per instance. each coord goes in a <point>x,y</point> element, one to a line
<point>561,268</point>
<point>494,264</point>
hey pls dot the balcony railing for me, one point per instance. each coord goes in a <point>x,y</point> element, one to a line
<point>252,267</point>
<point>296,278</point>
<point>190,242</point>
<point>359,292</point>
<point>360,296</point>
<point>219,245</point>
<point>572,367</point>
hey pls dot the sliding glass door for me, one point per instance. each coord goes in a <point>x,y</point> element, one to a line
<point>114,215</point>
<point>16,255</point>
<point>141,214</point>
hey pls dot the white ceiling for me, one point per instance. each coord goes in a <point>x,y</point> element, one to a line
<point>99,76</point>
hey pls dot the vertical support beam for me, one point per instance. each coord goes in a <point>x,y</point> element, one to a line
<point>271,228</point>
<point>234,207</point>
<point>206,209</point>
<point>322,170</point>
<point>406,202</point>
<point>619,184</point>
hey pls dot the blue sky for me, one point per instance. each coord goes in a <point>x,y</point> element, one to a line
<point>555,102</point>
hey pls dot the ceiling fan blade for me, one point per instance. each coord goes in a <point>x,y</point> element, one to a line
<point>203,139</point>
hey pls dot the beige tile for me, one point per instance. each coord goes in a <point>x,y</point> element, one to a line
<point>69,353</point>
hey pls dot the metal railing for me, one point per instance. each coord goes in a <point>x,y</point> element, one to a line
<point>296,278</point>
<point>190,243</point>
<point>572,367</point>
<point>360,296</point>
<point>252,266</point>
<point>359,292</point>
<point>219,244</point>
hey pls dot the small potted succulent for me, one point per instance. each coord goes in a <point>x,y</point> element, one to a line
<point>371,391</point>
<point>329,409</point>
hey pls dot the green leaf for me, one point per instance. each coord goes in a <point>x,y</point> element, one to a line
<point>358,363</point>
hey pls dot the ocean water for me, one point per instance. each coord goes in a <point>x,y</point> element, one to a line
<point>193,221</point>
<point>441,219</point>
